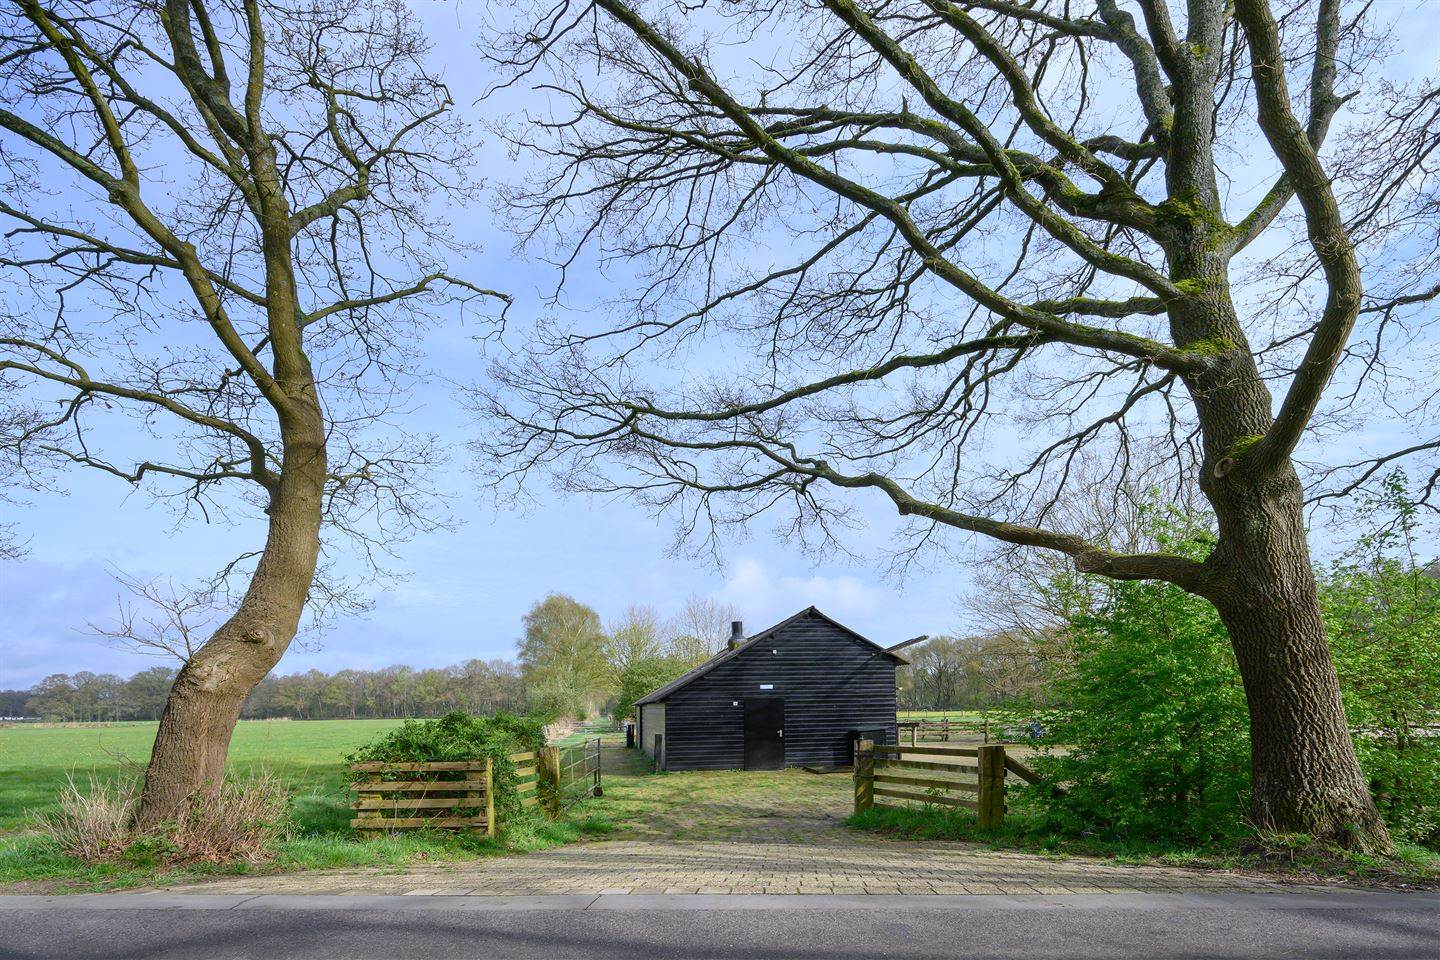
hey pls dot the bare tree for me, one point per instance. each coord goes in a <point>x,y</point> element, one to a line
<point>161,619</point>
<point>701,629</point>
<point>930,251</point>
<point>1030,593</point>
<point>222,221</point>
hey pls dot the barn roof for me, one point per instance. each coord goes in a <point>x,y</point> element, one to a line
<point>685,679</point>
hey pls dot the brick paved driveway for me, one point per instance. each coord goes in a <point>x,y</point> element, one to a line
<point>838,864</point>
<point>736,832</point>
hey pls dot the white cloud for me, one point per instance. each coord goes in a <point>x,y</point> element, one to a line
<point>764,597</point>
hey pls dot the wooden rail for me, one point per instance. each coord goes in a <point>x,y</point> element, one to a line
<point>450,794</point>
<point>918,730</point>
<point>443,794</point>
<point>881,770</point>
<point>527,773</point>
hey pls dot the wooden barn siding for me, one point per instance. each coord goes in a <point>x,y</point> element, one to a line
<point>831,685</point>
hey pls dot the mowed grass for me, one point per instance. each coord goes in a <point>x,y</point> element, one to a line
<point>35,761</point>
<point>966,716</point>
<point>308,756</point>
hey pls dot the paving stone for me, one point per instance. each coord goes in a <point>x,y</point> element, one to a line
<point>770,833</point>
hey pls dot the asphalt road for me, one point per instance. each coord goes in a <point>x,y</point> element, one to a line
<point>1341,925</point>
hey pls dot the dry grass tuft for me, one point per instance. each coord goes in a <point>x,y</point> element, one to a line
<point>93,825</point>
<point>238,824</point>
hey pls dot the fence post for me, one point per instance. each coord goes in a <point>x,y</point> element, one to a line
<point>659,747</point>
<point>599,788</point>
<point>489,797</point>
<point>864,775</point>
<point>549,776</point>
<point>991,812</point>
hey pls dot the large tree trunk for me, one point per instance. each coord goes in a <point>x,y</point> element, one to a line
<point>1305,777</point>
<point>204,703</point>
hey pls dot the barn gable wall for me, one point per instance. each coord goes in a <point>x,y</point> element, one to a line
<point>831,683</point>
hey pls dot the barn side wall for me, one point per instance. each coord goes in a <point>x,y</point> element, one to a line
<point>831,684</point>
<point>652,722</point>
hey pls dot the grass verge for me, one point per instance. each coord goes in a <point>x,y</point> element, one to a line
<point>316,837</point>
<point>32,863</point>
<point>1296,858</point>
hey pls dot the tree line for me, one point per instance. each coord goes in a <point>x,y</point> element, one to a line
<point>474,686</point>
<point>568,663</point>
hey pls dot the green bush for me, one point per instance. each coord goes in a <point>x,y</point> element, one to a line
<point>1158,731</point>
<point>459,736</point>
<point>1155,724</point>
<point>1382,613</point>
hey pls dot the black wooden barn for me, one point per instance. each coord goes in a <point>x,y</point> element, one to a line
<point>796,694</point>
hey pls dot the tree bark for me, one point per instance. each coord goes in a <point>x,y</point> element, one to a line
<point>1305,777</point>
<point>204,704</point>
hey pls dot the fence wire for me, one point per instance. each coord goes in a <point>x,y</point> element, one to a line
<point>580,774</point>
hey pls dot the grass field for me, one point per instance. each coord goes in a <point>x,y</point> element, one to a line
<point>308,756</point>
<point>36,760</point>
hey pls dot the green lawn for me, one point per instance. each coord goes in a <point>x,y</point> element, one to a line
<point>35,760</point>
<point>308,756</point>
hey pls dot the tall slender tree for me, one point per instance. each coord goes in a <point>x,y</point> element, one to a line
<point>221,242</point>
<point>931,251</point>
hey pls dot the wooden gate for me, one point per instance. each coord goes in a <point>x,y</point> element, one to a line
<point>455,795</point>
<point>969,777</point>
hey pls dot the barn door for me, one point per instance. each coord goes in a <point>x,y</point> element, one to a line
<point>765,733</point>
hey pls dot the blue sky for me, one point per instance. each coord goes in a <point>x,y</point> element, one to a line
<point>463,591</point>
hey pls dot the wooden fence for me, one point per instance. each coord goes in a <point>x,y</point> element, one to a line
<point>527,777</point>
<point>935,775</point>
<point>918,730</point>
<point>453,794</point>
<point>450,794</point>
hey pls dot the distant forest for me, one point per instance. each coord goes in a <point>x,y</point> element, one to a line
<point>475,686</point>
<point>944,674</point>
<point>566,663</point>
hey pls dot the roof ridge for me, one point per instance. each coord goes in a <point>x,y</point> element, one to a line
<point>699,670</point>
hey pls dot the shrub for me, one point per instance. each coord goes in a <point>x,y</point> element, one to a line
<point>1158,730</point>
<point>1382,613</point>
<point>1156,722</point>
<point>459,736</point>
<point>238,824</point>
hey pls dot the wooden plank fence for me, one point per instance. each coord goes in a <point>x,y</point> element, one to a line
<point>918,730</point>
<point>448,794</point>
<point>451,794</point>
<point>527,773</point>
<point>969,777</point>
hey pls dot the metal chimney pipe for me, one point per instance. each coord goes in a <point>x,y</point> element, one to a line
<point>737,633</point>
